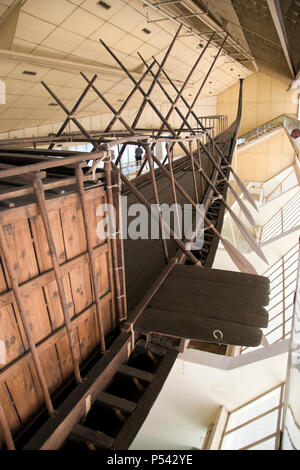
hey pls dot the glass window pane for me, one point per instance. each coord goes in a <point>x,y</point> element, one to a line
<point>252,432</point>
<point>275,336</point>
<point>275,310</point>
<point>275,300</point>
<point>266,445</point>
<point>276,322</point>
<point>254,409</point>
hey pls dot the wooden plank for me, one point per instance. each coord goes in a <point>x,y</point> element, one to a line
<point>181,325</point>
<point>51,367</point>
<point>54,304</point>
<point>73,229</point>
<point>54,338</point>
<point>55,431</point>
<point>200,304</point>
<point>64,354</point>
<point>7,298</point>
<point>107,309</point>
<point>3,285</point>
<point>87,333</point>
<point>102,268</point>
<point>18,238</point>
<point>9,216</point>
<point>116,402</point>
<point>37,313</point>
<point>10,412</point>
<point>94,219</point>
<point>135,421</point>
<point>10,334</point>
<point>84,435</point>
<point>40,240</point>
<point>21,384</point>
<point>80,281</point>
<point>217,275</point>
<point>136,373</point>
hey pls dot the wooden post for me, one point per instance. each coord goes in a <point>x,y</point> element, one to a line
<point>200,166</point>
<point>153,106</point>
<point>114,119</point>
<point>170,161</point>
<point>116,267</point>
<point>90,248</point>
<point>194,173</point>
<point>241,262</point>
<point>156,198</point>
<point>144,201</point>
<point>23,315</point>
<point>6,430</point>
<point>39,191</point>
<point>74,109</point>
<point>166,119</point>
<point>120,245</point>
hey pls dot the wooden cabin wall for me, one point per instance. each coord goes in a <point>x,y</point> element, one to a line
<point>20,392</point>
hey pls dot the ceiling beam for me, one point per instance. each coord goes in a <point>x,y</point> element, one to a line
<point>73,67</point>
<point>8,24</point>
<point>278,20</point>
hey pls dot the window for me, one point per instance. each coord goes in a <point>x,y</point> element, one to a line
<point>283,283</point>
<point>287,218</point>
<point>255,425</point>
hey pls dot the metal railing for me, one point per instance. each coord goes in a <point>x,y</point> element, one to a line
<point>291,416</point>
<point>283,279</point>
<point>256,425</point>
<point>288,122</point>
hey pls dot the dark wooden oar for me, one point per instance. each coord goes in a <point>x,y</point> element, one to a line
<point>246,234</point>
<point>243,207</point>
<point>240,183</point>
<point>239,260</point>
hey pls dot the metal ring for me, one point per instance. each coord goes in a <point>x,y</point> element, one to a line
<point>216,333</point>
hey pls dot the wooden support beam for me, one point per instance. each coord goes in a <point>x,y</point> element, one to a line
<point>136,373</point>
<point>55,431</point>
<point>135,421</point>
<point>40,194</point>
<point>116,402</point>
<point>84,435</point>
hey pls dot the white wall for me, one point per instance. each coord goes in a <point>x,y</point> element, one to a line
<point>192,395</point>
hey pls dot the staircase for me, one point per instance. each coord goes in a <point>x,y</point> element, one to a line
<point>287,122</point>
<point>120,410</point>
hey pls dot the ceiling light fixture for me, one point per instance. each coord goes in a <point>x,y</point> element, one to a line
<point>29,72</point>
<point>104,5</point>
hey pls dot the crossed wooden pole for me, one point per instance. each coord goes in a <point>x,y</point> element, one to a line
<point>165,123</point>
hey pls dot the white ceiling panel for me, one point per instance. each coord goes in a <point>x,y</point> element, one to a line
<point>54,11</point>
<point>69,31</point>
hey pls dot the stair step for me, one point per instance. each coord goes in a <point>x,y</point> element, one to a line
<point>116,402</point>
<point>83,435</point>
<point>136,373</point>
